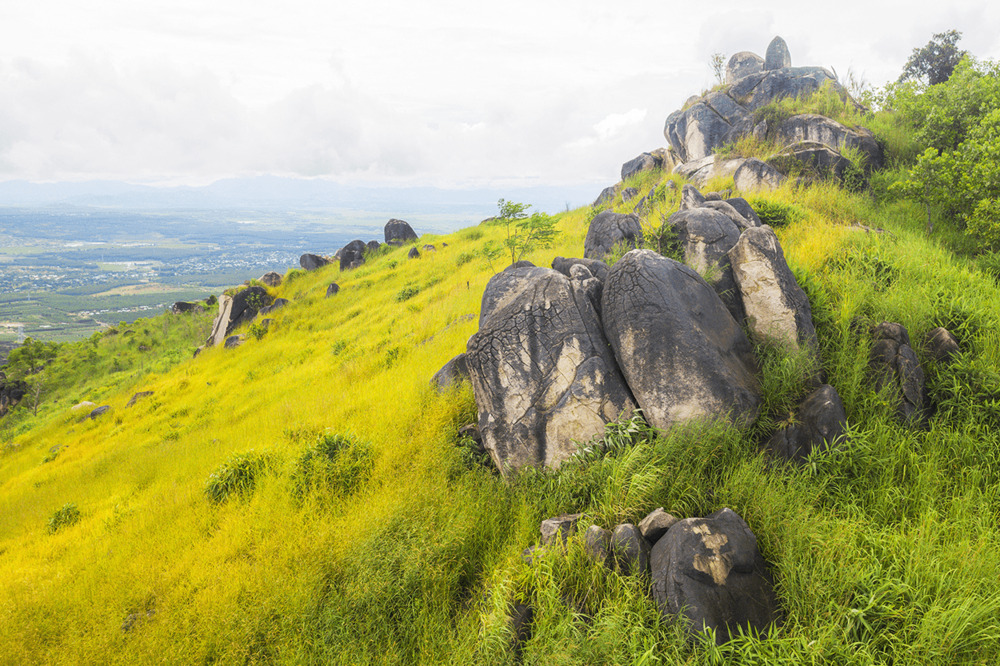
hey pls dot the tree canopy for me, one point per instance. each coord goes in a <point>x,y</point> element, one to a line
<point>934,62</point>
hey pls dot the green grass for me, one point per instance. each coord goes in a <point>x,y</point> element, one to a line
<point>374,536</point>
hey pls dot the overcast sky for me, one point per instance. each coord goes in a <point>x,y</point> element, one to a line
<point>389,92</point>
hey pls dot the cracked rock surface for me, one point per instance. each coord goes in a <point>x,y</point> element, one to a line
<point>607,229</point>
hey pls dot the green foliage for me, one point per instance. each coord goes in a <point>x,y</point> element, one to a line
<point>336,464</point>
<point>718,63</point>
<point>775,213</point>
<point>30,357</point>
<point>934,62</point>
<point>523,233</point>
<point>256,331</point>
<point>64,516</point>
<point>238,476</point>
<point>407,292</point>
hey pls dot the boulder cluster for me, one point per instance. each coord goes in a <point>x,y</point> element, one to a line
<point>397,233</point>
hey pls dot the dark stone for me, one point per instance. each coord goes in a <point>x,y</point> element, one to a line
<point>521,621</point>
<point>266,324</point>
<point>597,268</point>
<point>180,307</point>
<point>816,159</point>
<point>777,55</point>
<point>730,211</point>
<point>12,391</point>
<point>681,352</point>
<point>743,64</point>
<point>691,197</point>
<point>271,279</point>
<point>813,128</point>
<point>655,525</point>
<point>505,286</point>
<point>940,344</point>
<point>234,341</point>
<point>629,550</point>
<point>820,423</point>
<point>608,229</point>
<point>352,255</point>
<point>451,374</point>
<point>606,196</point>
<point>746,210</point>
<point>373,246</point>
<point>629,193</point>
<point>896,368</point>
<point>399,231</point>
<point>430,248</point>
<point>597,543</point>
<point>414,253</point>
<point>311,262</point>
<point>332,289</point>
<point>246,304</point>
<point>706,237</point>
<point>710,572</point>
<point>137,397</point>
<point>276,305</point>
<point>559,527</point>
<point>542,372</point>
<point>100,411</point>
<point>637,165</point>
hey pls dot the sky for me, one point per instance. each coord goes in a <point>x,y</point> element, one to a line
<point>393,93</point>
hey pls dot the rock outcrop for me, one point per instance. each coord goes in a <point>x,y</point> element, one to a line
<point>897,370</point>
<point>706,236</point>
<point>271,279</point>
<point>743,64</point>
<point>352,255</point>
<point>754,174</point>
<point>820,422</point>
<point>311,262</point>
<point>398,232</point>
<point>236,310</point>
<point>608,229</point>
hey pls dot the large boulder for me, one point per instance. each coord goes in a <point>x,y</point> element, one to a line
<point>777,309</point>
<point>898,371</point>
<point>311,262</point>
<point>636,165</point>
<point>712,121</point>
<point>820,422</point>
<point>606,196</point>
<point>703,170</point>
<point>181,307</point>
<point>680,350</point>
<point>399,231</point>
<point>505,286</point>
<point>352,255</point>
<point>608,229</point>
<point>236,310</point>
<point>710,572</point>
<point>757,90</point>
<point>597,268</point>
<point>629,549</point>
<point>271,279</point>
<point>706,235</point>
<point>812,159</point>
<point>543,374</point>
<point>754,174</point>
<point>451,373</point>
<point>743,64</point>
<point>940,344</point>
<point>820,129</point>
<point>735,216</point>
<point>691,197</point>
<point>746,210</point>
<point>777,55</point>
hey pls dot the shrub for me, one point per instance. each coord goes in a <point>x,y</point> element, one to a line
<point>338,464</point>
<point>407,292</point>
<point>464,258</point>
<point>65,516</point>
<point>238,475</point>
<point>776,214</point>
<point>293,274</point>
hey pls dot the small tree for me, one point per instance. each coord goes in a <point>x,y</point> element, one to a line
<point>929,182</point>
<point>718,62</point>
<point>935,62</point>
<point>524,233</point>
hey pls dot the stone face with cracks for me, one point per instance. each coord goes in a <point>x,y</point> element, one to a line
<point>608,229</point>
<point>543,374</point>
<point>896,367</point>
<point>706,236</point>
<point>680,350</point>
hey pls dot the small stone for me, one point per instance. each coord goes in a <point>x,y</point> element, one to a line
<point>655,525</point>
<point>560,526</point>
<point>332,289</point>
<point>414,253</point>
<point>597,543</point>
<point>629,550</point>
<point>941,345</point>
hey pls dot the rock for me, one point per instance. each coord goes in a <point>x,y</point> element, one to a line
<point>635,166</point>
<point>373,246</point>
<point>746,210</point>
<point>608,229</point>
<point>399,231</point>
<point>505,286</point>
<point>810,127</point>
<point>234,341</point>
<point>629,550</point>
<point>352,255</point>
<point>754,174</point>
<point>597,268</point>
<point>137,397</point>
<point>703,170</point>
<point>820,423</point>
<point>757,90</point>
<point>236,310</point>
<point>629,193</point>
<point>706,237</point>
<point>542,372</point>
<point>470,432</point>
<point>311,262</point>
<point>711,573</point>
<point>895,366</point>
<point>655,525</point>
<point>691,197</point>
<point>430,248</point>
<point>729,211</point>
<point>451,373</point>
<point>559,527</point>
<point>271,279</point>
<point>597,543</point>
<point>521,618</point>
<point>707,125</point>
<point>680,350</point>
<point>777,55</point>
<point>265,324</point>
<point>940,344</point>
<point>181,307</point>
<point>276,305</point>
<point>814,158</point>
<point>100,411</point>
<point>778,311</point>
<point>606,196</point>
<point>197,351</point>
<point>414,253</point>
<point>743,64</point>
<point>86,405</point>
<point>332,289</point>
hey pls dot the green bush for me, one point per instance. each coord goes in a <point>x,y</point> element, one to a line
<point>338,464</point>
<point>65,516</point>
<point>407,292</point>
<point>464,258</point>
<point>774,213</point>
<point>238,475</point>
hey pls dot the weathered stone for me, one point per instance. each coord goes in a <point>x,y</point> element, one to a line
<point>680,350</point>
<point>635,166</point>
<point>137,397</point>
<point>727,209</point>
<point>706,237</point>
<point>608,229</point>
<point>699,130</point>
<point>820,422</point>
<point>332,289</point>
<point>691,197</point>
<point>220,327</point>
<point>399,231</point>
<point>597,543</point>
<point>542,373</point>
<point>629,193</point>
<point>597,268</point>
<point>745,209</point>
<point>710,572</point>
<point>655,525</point>
<point>701,171</point>
<point>100,411</point>
<point>606,196</point>
<point>180,307</point>
<point>810,127</point>
<point>778,311</point>
<point>940,344</point>
<point>352,254</point>
<point>743,64</point>
<point>754,174</point>
<point>271,279</point>
<point>451,373</point>
<point>757,90</point>
<point>505,286</point>
<point>559,527</point>
<point>896,368</point>
<point>629,550</point>
<point>777,55</point>
<point>234,341</point>
<point>276,305</point>
<point>414,253</point>
<point>373,246</point>
<point>311,262</point>
<point>814,159</point>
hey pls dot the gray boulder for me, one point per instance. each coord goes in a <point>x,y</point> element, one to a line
<point>505,286</point>
<point>701,171</point>
<point>414,253</point>
<point>746,210</point>
<point>311,262</point>
<point>236,310</point>
<point>608,229</point>
<point>352,255</point>
<point>543,375</point>
<point>691,197</point>
<point>332,289</point>
<point>710,572</point>
<point>680,350</point>
<point>706,236</point>
<point>754,174</point>
<point>373,246</point>
<point>276,305</point>
<point>636,165</point>
<point>897,370</point>
<point>820,422</point>
<point>629,550</point>
<point>399,231</point>
<point>655,525</point>
<point>556,530</point>
<point>606,196</point>
<point>451,373</point>
<point>234,341</point>
<point>730,211</point>
<point>814,159</point>
<point>181,307</point>
<point>100,411</point>
<point>778,311</point>
<point>597,543</point>
<point>629,193</point>
<point>757,90</point>
<point>711,122</point>
<point>940,344</point>
<point>743,64</point>
<point>271,279</point>
<point>814,128</point>
<point>777,55</point>
<point>597,268</point>
<point>137,397</point>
